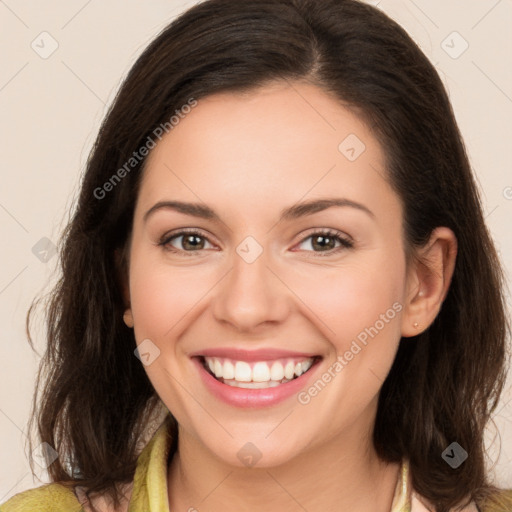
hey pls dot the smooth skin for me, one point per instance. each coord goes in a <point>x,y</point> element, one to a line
<point>248,157</point>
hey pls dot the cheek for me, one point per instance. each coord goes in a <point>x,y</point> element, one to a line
<point>359,311</point>
<point>348,299</point>
<point>161,295</point>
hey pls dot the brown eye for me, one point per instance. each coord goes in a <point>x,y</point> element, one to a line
<point>322,242</point>
<point>191,241</point>
<point>325,241</point>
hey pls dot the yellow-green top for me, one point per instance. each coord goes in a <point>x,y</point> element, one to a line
<point>150,494</point>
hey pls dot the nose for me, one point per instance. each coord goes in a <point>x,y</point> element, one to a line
<point>251,295</point>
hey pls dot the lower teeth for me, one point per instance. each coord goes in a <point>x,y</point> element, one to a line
<point>254,385</point>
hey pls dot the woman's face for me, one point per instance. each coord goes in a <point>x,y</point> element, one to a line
<point>261,292</point>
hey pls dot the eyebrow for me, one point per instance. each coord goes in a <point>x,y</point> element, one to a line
<point>293,212</point>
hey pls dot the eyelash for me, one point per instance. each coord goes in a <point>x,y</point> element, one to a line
<point>330,233</point>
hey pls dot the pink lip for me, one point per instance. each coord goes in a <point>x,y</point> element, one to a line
<point>253,398</point>
<point>251,355</point>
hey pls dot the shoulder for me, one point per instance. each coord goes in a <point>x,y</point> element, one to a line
<point>47,498</point>
<point>500,502</point>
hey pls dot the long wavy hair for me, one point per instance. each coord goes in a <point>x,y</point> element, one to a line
<point>94,396</point>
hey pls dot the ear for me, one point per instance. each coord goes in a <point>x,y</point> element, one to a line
<point>122,281</point>
<point>428,281</point>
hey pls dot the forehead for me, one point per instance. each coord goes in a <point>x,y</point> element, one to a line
<point>272,145</point>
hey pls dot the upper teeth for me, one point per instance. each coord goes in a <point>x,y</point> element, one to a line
<point>260,371</point>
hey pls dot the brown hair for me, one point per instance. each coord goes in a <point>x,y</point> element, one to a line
<point>444,383</point>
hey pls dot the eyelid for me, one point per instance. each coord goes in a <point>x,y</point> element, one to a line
<point>346,241</point>
<point>326,231</point>
<point>167,237</point>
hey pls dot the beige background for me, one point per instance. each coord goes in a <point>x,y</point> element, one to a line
<point>50,113</point>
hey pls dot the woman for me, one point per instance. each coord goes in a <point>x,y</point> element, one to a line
<point>279,259</point>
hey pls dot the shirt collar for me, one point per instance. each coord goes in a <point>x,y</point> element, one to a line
<point>150,480</point>
<point>150,491</point>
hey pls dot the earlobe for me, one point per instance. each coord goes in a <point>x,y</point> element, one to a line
<point>429,282</point>
<point>128,318</point>
<point>122,281</point>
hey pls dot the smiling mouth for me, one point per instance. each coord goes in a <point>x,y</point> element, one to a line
<point>257,374</point>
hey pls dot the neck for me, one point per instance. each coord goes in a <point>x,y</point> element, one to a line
<point>343,473</point>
